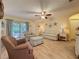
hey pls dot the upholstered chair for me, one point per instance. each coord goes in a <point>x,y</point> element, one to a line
<point>23,50</point>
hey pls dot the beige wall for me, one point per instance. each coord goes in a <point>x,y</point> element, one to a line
<point>36,26</point>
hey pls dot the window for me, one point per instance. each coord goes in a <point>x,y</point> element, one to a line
<point>19,29</point>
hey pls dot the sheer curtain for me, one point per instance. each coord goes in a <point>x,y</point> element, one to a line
<point>17,29</point>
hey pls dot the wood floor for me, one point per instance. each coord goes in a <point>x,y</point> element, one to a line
<point>52,50</point>
<point>55,50</point>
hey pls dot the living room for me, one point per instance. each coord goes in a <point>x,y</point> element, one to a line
<point>51,28</point>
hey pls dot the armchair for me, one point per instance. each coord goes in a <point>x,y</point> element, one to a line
<point>15,51</point>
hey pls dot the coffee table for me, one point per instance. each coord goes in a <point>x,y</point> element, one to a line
<point>36,40</point>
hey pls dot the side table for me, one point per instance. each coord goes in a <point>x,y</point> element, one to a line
<point>62,37</point>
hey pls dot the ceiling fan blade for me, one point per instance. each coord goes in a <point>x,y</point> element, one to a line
<point>48,14</point>
<point>37,15</point>
<point>30,12</point>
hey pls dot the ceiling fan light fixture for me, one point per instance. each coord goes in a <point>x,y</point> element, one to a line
<point>42,13</point>
<point>43,17</point>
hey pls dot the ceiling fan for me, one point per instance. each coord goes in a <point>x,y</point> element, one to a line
<point>44,15</point>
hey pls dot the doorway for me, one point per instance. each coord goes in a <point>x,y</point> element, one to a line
<point>74,24</point>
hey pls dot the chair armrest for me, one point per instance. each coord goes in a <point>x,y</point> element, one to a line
<point>24,46</point>
<point>30,48</point>
<point>21,46</point>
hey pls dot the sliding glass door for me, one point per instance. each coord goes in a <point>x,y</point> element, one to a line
<point>15,29</point>
<point>19,29</point>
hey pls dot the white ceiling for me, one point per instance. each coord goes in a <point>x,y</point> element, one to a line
<point>26,8</point>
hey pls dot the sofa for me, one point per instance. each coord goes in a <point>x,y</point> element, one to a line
<point>17,49</point>
<point>51,36</point>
